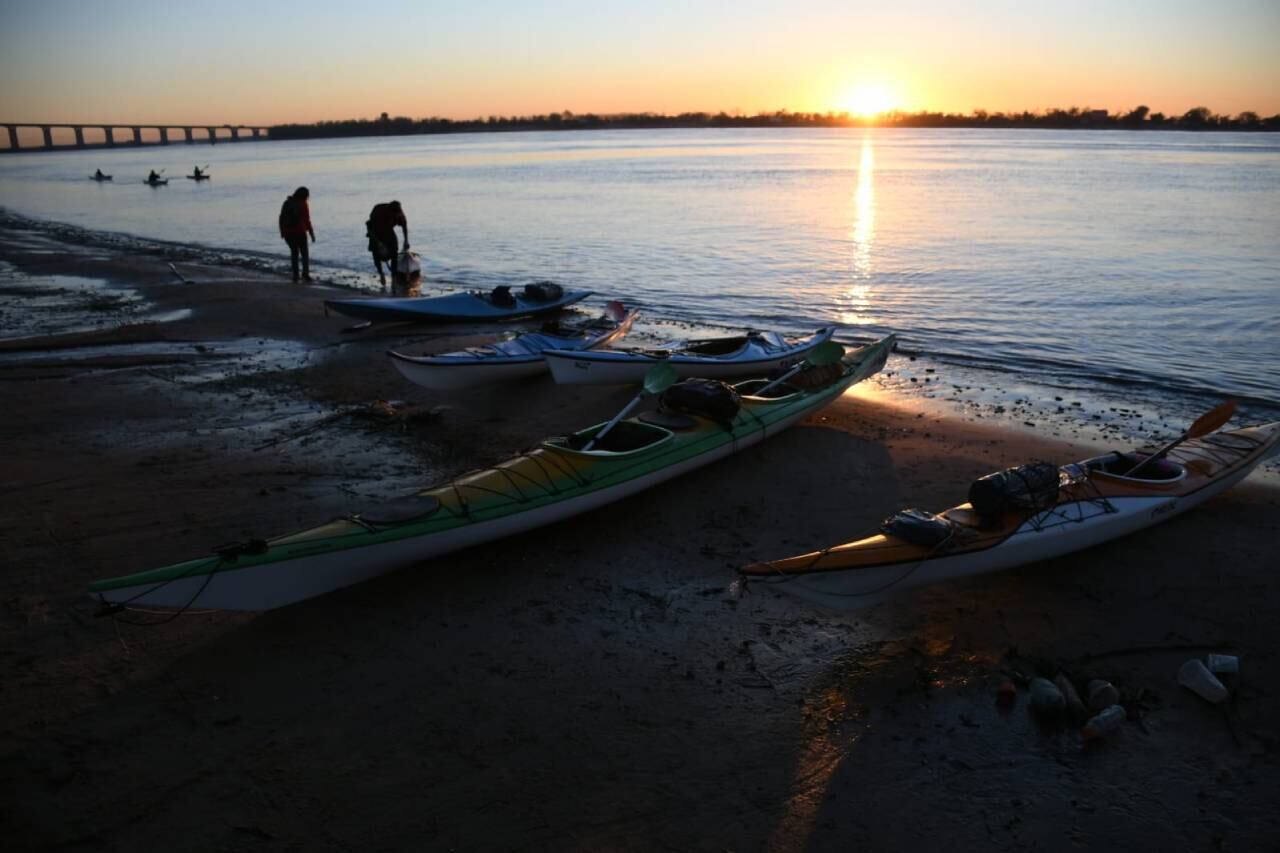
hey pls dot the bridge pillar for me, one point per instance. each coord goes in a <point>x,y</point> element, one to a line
<point>235,134</point>
<point>79,137</point>
<point>48,135</point>
<point>213,135</point>
<point>111,139</point>
<point>13,136</point>
<point>137,135</point>
<point>187,132</point>
<point>164,136</point>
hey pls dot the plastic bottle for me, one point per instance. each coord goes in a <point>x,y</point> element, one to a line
<point>1102,694</point>
<point>1198,679</point>
<point>1105,723</point>
<point>1074,706</point>
<point>1046,698</point>
<point>1223,663</point>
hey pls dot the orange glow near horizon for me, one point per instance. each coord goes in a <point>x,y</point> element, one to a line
<point>516,59</point>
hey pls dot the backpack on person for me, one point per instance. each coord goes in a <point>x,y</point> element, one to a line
<point>290,214</point>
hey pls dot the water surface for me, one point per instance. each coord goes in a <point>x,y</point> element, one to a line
<point>1139,267</point>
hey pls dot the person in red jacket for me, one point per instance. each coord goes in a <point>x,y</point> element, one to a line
<point>381,230</point>
<point>295,225</point>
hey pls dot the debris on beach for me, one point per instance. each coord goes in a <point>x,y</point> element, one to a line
<point>1102,695</point>
<point>1046,699</point>
<point>381,413</point>
<point>1109,720</point>
<point>1075,707</point>
<point>1197,678</point>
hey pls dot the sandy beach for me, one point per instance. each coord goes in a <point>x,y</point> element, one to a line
<point>601,684</point>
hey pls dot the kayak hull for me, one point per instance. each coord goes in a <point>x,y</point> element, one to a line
<point>551,483</point>
<point>758,355</point>
<point>1099,509</point>
<point>520,358</point>
<point>453,308</point>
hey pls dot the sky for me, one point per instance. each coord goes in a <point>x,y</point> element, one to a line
<point>278,61</point>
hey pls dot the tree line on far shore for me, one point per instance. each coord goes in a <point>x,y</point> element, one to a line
<point>1075,118</point>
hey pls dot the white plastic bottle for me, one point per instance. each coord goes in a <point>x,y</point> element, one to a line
<point>1105,723</point>
<point>1196,677</point>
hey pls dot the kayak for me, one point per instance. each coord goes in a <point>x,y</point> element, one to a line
<point>562,477</point>
<point>1087,503</point>
<point>519,357</point>
<point>750,354</point>
<point>158,183</point>
<point>456,307</point>
<point>198,177</point>
<point>99,178</point>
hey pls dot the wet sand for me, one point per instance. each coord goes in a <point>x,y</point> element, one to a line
<point>601,684</point>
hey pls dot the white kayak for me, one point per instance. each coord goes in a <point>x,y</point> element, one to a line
<point>519,357</point>
<point>753,353</point>
<point>1083,504</point>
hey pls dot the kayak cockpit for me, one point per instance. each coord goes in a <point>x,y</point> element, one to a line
<point>1119,465</point>
<point>626,438</point>
<point>726,348</point>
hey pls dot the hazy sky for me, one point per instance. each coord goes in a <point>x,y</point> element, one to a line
<point>272,61</point>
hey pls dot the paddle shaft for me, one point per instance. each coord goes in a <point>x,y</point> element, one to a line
<point>1203,425</point>
<point>612,423</point>
<point>783,378</point>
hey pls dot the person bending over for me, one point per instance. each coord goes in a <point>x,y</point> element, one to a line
<point>381,230</point>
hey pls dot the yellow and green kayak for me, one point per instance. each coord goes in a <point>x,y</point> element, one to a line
<point>561,478</point>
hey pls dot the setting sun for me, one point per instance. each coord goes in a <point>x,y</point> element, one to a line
<point>869,100</point>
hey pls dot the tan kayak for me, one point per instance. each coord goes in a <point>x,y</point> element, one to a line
<point>1093,501</point>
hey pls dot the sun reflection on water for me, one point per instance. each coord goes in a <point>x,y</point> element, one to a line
<point>859,296</point>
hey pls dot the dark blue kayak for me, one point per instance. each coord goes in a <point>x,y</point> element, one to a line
<point>454,308</point>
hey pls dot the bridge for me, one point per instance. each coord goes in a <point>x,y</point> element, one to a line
<point>113,135</point>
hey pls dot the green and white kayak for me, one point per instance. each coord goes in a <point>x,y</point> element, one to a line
<point>561,478</point>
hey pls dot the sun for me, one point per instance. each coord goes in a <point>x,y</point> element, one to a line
<point>869,100</point>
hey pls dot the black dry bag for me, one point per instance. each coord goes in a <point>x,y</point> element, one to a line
<point>708,398</point>
<point>1026,487</point>
<point>918,527</point>
<point>543,291</point>
<point>502,297</point>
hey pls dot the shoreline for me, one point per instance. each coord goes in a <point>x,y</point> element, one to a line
<point>990,393</point>
<point>580,686</point>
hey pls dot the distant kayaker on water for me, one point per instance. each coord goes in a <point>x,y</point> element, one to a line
<point>295,225</point>
<point>381,230</point>
<point>97,175</point>
<point>197,172</point>
<point>154,177</point>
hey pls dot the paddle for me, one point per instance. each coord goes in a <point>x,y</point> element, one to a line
<point>1203,425</point>
<point>827,352</point>
<point>659,378</point>
<point>615,310</point>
